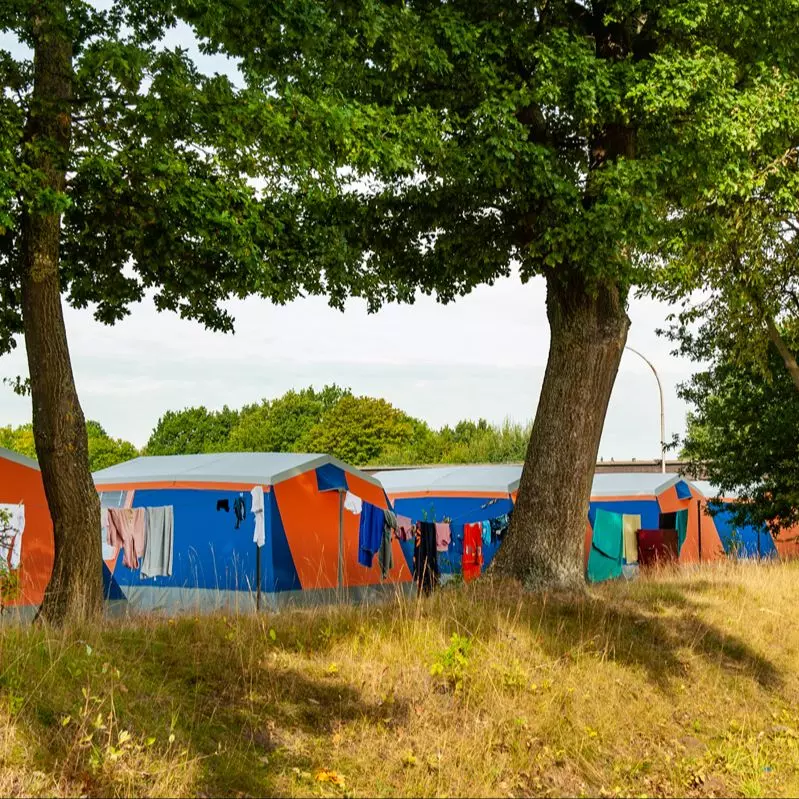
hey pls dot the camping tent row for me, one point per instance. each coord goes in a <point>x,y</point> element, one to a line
<point>311,542</point>
<point>311,549</point>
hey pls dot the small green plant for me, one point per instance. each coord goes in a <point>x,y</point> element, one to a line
<point>451,665</point>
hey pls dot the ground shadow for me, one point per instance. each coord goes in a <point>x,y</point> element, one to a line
<point>646,630</point>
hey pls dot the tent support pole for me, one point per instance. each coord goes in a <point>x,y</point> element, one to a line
<point>258,577</point>
<point>340,541</point>
<point>699,526</point>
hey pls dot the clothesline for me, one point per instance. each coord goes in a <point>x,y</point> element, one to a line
<point>463,515</point>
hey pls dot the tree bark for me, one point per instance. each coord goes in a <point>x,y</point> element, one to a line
<point>75,590</point>
<point>782,348</point>
<point>544,545</point>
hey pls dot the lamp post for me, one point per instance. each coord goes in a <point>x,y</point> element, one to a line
<point>662,411</point>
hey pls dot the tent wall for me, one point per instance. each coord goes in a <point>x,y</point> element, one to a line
<point>356,575</point>
<point>21,481</point>
<point>742,541</point>
<point>462,509</point>
<point>787,543</point>
<point>712,549</point>
<point>212,562</point>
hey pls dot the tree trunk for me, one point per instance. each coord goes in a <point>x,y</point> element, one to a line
<point>544,545</point>
<point>75,590</point>
<point>785,353</point>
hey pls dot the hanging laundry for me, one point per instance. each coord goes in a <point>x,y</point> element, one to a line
<point>425,557</point>
<point>657,547</point>
<point>385,557</point>
<point>126,530</point>
<point>223,504</point>
<point>631,525</point>
<point>607,543</point>
<point>352,503</point>
<point>370,533</point>
<point>240,509</point>
<point>486,525</point>
<point>12,536</point>
<point>257,507</point>
<point>443,536</point>
<point>472,550</point>
<point>405,530</point>
<point>681,525</point>
<point>109,552</point>
<point>159,530</point>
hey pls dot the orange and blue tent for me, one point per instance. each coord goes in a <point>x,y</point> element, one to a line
<point>622,503</point>
<point>460,494</point>
<point>21,484</point>
<point>311,549</point>
<point>744,541</point>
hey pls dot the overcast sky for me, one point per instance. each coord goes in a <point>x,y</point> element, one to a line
<point>481,356</point>
<point>484,355</point>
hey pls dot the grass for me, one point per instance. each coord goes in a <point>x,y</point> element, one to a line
<point>682,684</point>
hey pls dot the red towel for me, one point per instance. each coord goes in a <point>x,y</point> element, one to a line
<point>472,551</point>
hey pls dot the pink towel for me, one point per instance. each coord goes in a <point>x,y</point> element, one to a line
<point>405,531</point>
<point>126,529</point>
<point>443,536</point>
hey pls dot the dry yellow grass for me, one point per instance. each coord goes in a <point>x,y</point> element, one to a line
<point>682,684</point>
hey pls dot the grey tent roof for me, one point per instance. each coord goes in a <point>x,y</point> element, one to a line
<point>484,478</point>
<point>23,460</point>
<point>711,492</point>
<point>630,484</point>
<point>505,479</point>
<point>255,468</point>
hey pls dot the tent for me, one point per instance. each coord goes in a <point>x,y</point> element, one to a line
<point>21,488</point>
<point>744,541</point>
<point>462,494</point>
<point>623,503</point>
<point>311,549</point>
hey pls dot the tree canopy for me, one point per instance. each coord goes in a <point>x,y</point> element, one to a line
<point>283,424</point>
<point>192,430</point>
<point>365,431</point>
<point>743,432</point>
<point>565,138</point>
<point>104,450</point>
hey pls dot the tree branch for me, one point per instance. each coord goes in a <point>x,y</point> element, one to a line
<point>782,348</point>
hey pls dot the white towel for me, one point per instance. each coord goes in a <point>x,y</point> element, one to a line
<point>259,535</point>
<point>13,536</point>
<point>353,504</point>
<point>159,526</point>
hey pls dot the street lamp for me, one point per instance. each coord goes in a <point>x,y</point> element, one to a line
<point>662,411</point>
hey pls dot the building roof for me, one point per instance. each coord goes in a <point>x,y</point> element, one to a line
<point>23,460</point>
<point>460,479</point>
<point>241,468</point>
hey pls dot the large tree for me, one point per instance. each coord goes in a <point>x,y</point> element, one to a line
<point>558,147</point>
<point>125,171</point>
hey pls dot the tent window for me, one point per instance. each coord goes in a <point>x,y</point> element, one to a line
<point>668,521</point>
<point>112,499</point>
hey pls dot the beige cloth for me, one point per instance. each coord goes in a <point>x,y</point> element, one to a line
<point>126,529</point>
<point>631,524</point>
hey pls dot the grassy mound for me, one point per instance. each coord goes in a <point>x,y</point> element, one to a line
<point>683,684</point>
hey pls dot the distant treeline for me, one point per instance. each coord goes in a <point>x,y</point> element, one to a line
<point>360,430</point>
